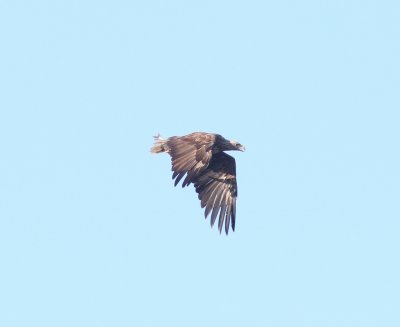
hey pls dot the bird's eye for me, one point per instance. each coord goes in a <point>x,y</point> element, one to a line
<point>238,144</point>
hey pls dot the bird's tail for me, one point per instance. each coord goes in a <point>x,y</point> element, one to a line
<point>159,144</point>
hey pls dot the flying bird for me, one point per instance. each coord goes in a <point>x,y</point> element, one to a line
<point>200,159</point>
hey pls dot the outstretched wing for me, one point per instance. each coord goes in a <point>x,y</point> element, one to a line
<point>217,189</point>
<point>190,154</point>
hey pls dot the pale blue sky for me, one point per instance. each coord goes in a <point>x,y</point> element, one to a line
<point>92,231</point>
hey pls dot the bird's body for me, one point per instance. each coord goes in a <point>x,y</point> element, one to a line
<point>199,157</point>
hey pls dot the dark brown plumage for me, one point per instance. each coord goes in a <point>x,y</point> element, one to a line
<point>200,160</point>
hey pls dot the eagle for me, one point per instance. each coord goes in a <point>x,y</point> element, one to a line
<point>200,159</point>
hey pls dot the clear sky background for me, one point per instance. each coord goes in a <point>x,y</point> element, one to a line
<point>92,231</point>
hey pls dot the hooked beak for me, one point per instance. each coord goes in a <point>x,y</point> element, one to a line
<point>242,148</point>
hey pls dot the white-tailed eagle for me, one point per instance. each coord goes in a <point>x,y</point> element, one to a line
<point>200,159</point>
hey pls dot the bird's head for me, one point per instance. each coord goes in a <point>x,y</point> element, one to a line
<point>236,146</point>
